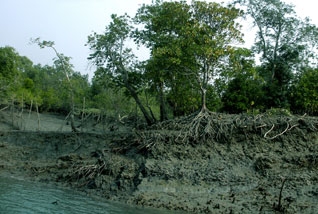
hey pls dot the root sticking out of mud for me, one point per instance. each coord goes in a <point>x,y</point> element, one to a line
<point>209,127</point>
<point>204,163</point>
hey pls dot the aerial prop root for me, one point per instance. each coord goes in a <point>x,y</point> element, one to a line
<point>88,172</point>
<point>288,128</point>
<point>200,127</point>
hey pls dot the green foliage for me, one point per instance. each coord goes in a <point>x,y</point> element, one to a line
<point>109,52</point>
<point>305,93</point>
<point>193,64</point>
<point>117,62</point>
<point>183,100</point>
<point>26,84</point>
<point>190,46</point>
<point>9,72</point>
<point>243,93</point>
<point>162,23</point>
<point>241,88</point>
<point>110,100</point>
<point>210,35</point>
<point>213,99</point>
<point>8,63</point>
<point>278,112</point>
<point>286,44</point>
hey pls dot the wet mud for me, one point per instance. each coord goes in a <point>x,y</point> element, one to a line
<point>248,175</point>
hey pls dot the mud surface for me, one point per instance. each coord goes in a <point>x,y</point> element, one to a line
<point>247,175</point>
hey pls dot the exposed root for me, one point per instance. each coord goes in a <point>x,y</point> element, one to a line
<point>200,128</point>
<point>288,128</point>
<point>142,141</point>
<point>88,172</point>
<point>225,128</point>
<point>279,206</point>
<point>206,126</point>
<point>265,135</point>
<point>107,164</point>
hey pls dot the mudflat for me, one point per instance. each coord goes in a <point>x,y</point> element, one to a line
<point>243,171</point>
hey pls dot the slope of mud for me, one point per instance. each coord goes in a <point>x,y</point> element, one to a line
<point>244,176</point>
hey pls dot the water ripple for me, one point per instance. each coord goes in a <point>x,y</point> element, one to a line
<point>18,197</point>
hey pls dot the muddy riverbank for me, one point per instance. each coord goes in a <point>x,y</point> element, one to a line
<point>249,175</point>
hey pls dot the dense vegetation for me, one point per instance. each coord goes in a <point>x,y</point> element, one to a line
<point>195,64</point>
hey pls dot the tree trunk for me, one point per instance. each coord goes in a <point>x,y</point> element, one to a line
<point>38,114</point>
<point>12,113</point>
<point>71,89</point>
<point>163,112</point>
<point>83,110</point>
<point>72,111</point>
<point>30,111</point>
<point>148,106</point>
<point>21,114</point>
<point>133,93</point>
<point>203,97</point>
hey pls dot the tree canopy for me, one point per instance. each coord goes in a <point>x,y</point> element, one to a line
<point>189,42</point>
<point>196,64</point>
<point>286,44</point>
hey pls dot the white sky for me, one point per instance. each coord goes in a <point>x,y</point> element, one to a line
<point>69,22</point>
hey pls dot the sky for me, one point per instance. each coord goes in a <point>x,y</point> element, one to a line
<point>69,22</point>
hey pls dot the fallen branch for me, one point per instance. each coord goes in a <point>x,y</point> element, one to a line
<point>4,108</point>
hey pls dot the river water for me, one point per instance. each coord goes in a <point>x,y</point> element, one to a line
<point>23,197</point>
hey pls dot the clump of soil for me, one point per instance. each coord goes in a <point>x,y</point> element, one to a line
<point>217,164</point>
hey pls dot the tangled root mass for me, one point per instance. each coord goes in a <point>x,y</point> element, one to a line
<point>206,126</point>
